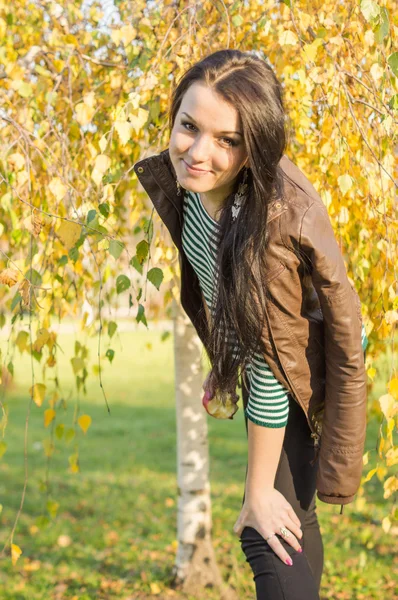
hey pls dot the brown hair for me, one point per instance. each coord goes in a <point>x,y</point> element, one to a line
<point>249,84</point>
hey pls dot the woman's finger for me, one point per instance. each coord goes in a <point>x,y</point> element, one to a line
<point>279,550</point>
<point>293,528</point>
<point>293,516</point>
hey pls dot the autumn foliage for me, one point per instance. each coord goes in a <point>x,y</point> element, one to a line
<point>85,94</point>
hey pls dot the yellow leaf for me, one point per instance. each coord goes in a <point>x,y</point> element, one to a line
<point>103,143</point>
<point>392,457</point>
<point>9,277</point>
<point>387,405</point>
<point>370,475</point>
<point>365,458</point>
<point>69,233</point>
<point>3,448</point>
<point>84,422</point>
<point>393,387</point>
<point>49,415</point>
<point>57,188</point>
<point>309,51</point>
<point>124,129</point>
<point>15,553</point>
<point>22,340</point>
<point>102,163</point>
<point>17,161</point>
<point>371,373</point>
<point>84,113</point>
<point>155,589</point>
<point>345,182</point>
<point>390,486</point>
<point>288,38</point>
<point>386,524</point>
<point>381,446</point>
<point>139,120</point>
<point>77,364</point>
<point>74,463</point>
<point>38,392</point>
<point>42,338</point>
<point>390,429</point>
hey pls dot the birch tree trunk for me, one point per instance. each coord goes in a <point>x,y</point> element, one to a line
<point>195,570</point>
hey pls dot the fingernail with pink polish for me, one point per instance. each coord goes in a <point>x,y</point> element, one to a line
<point>289,562</point>
<point>300,550</point>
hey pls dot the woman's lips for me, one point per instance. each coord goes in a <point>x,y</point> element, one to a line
<point>193,170</point>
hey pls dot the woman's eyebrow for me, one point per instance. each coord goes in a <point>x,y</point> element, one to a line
<point>192,119</point>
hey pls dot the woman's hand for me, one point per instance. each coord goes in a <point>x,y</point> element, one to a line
<point>213,404</point>
<point>267,512</point>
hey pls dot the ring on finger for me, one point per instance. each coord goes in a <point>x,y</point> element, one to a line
<point>285,532</point>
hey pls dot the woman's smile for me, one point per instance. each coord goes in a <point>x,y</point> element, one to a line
<point>194,170</point>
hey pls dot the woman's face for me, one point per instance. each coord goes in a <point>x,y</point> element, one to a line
<point>207,134</point>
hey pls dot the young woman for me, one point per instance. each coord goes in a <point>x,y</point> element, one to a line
<point>265,285</point>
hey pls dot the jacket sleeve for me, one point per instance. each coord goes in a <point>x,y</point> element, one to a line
<point>344,420</point>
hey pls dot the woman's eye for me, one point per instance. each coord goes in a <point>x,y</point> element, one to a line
<point>188,125</point>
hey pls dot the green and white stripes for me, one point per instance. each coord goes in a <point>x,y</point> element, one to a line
<point>268,403</point>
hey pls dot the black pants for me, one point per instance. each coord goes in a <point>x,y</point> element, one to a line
<point>295,479</point>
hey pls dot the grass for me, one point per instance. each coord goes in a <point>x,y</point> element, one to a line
<point>113,534</point>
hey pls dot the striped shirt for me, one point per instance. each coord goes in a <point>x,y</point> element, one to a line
<point>268,403</point>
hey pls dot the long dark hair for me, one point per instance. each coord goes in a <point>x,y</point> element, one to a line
<point>249,84</point>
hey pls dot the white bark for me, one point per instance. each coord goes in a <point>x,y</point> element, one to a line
<point>195,569</point>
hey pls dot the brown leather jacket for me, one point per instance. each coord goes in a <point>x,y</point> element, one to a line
<point>313,330</point>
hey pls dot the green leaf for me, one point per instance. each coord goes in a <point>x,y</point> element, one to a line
<point>155,276</point>
<point>142,251</point>
<point>140,318</point>
<point>110,354</point>
<point>139,295</point>
<point>164,336</point>
<point>104,209</point>
<point>134,262</point>
<point>148,229</point>
<point>393,103</point>
<point>393,62</point>
<point>73,254</point>
<point>33,276</point>
<point>17,298</point>
<point>63,260</point>
<point>112,326</point>
<point>383,27</point>
<point>115,248</point>
<point>91,215</point>
<point>122,283</point>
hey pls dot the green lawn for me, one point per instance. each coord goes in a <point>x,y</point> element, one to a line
<point>114,532</point>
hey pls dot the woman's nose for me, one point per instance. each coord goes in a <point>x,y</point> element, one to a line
<point>200,150</point>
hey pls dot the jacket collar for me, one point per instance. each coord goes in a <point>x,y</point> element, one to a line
<point>158,177</point>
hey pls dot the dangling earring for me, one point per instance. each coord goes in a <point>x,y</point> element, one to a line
<point>239,196</point>
<point>178,188</point>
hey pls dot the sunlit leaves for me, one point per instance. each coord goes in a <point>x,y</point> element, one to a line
<point>38,392</point>
<point>101,165</point>
<point>69,232</point>
<point>57,188</point>
<point>345,183</point>
<point>49,416</point>
<point>369,9</point>
<point>15,553</point>
<point>84,422</point>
